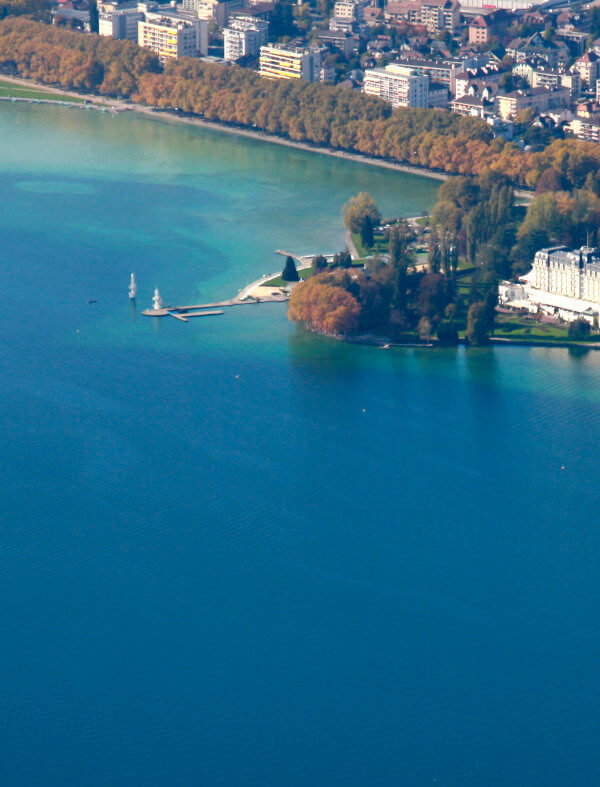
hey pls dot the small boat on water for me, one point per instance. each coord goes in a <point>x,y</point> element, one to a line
<point>132,288</point>
<point>91,300</point>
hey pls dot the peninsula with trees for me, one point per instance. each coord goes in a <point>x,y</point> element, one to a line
<point>435,279</point>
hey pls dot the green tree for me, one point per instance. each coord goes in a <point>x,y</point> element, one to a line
<point>477,324</point>
<point>447,333</point>
<point>366,231</point>
<point>289,272</point>
<point>319,263</point>
<point>342,259</point>
<point>281,23</point>
<point>93,16</point>
<point>357,207</point>
<point>579,329</point>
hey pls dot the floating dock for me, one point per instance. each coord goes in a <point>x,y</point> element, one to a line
<point>183,312</point>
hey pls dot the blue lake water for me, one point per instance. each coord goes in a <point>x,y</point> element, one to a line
<point>235,553</point>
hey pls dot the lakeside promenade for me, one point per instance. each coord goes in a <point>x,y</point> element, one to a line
<point>173,116</point>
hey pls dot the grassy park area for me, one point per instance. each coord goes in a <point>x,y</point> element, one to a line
<point>13,90</point>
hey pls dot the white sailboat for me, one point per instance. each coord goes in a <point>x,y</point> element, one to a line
<point>157,301</point>
<point>132,288</point>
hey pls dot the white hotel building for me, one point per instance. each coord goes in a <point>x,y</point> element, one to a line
<point>400,85</point>
<point>562,282</point>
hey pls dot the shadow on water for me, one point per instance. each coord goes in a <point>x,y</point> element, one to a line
<point>578,353</point>
<point>322,354</point>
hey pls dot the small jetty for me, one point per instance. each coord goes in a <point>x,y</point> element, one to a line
<point>258,292</point>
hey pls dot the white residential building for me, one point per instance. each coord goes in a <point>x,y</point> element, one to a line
<point>400,85</point>
<point>173,35</point>
<point>244,36</point>
<point>283,61</point>
<point>119,20</point>
<point>217,11</point>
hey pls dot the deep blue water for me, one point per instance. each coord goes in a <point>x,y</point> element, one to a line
<point>236,553</point>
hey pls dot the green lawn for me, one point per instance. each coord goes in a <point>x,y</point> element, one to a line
<point>380,246</point>
<point>277,281</point>
<point>12,90</point>
<point>510,326</point>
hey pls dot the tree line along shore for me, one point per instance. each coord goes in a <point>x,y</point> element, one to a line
<point>324,115</point>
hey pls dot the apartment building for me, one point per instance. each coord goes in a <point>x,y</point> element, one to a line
<point>442,71</point>
<point>584,128</point>
<point>119,20</point>
<point>398,84</point>
<point>587,67</point>
<point>436,15</point>
<point>173,35</point>
<point>243,36</point>
<point>285,61</point>
<point>552,77</point>
<point>217,11</point>
<point>336,39</point>
<point>540,99</point>
<point>479,31</point>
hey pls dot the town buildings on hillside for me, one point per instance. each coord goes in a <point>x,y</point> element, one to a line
<point>531,72</point>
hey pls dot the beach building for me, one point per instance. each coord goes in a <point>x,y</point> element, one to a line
<point>244,35</point>
<point>285,61</point>
<point>398,84</point>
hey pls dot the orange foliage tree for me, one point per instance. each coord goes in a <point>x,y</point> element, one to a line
<point>324,307</point>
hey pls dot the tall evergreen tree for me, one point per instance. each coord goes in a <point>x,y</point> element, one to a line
<point>289,272</point>
<point>366,231</point>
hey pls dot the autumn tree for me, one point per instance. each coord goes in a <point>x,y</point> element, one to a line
<point>323,307</point>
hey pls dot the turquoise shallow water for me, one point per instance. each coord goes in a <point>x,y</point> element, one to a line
<point>236,553</point>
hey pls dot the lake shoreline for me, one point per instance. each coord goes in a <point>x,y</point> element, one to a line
<point>381,343</point>
<point>173,116</point>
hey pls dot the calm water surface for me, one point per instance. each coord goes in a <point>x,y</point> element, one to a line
<point>234,553</point>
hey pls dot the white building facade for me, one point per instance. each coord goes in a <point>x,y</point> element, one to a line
<point>562,282</point>
<point>119,21</point>
<point>280,61</point>
<point>399,85</point>
<point>172,36</point>
<point>244,36</point>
